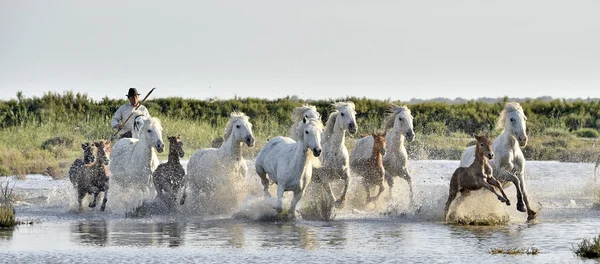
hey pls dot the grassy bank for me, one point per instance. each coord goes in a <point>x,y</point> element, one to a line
<point>35,149</point>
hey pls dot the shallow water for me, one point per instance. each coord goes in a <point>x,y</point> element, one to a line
<point>62,234</point>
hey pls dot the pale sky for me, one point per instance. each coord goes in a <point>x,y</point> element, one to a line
<point>313,49</point>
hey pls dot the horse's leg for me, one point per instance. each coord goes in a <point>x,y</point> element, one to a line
<point>346,177</point>
<point>515,180</point>
<point>452,192</point>
<point>491,180</point>
<point>531,214</point>
<point>390,181</point>
<point>297,196</point>
<point>93,203</point>
<point>368,191</point>
<point>408,179</point>
<point>184,195</point>
<point>264,180</point>
<point>80,195</point>
<point>381,189</point>
<point>105,198</point>
<point>280,191</point>
<point>486,185</point>
<point>327,186</point>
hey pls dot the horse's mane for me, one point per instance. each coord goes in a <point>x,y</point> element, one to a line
<point>156,122</point>
<point>298,112</point>
<point>332,117</point>
<point>235,116</point>
<point>392,112</point>
<point>509,107</point>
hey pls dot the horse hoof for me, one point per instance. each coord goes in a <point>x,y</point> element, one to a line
<point>507,202</point>
<point>531,215</point>
<point>521,207</point>
<point>102,208</point>
<point>92,205</point>
<point>339,204</point>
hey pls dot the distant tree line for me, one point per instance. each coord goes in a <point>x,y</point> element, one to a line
<point>429,116</point>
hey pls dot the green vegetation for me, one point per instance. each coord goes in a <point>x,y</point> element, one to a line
<point>7,212</point>
<point>588,248</point>
<point>43,135</point>
<point>515,251</point>
<point>587,133</point>
<point>482,221</point>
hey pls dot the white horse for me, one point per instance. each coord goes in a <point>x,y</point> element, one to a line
<point>133,160</point>
<point>301,112</point>
<point>509,162</point>
<point>335,162</point>
<point>217,176</point>
<point>289,163</point>
<point>400,120</point>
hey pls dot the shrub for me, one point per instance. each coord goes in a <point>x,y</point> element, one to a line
<point>588,248</point>
<point>557,132</point>
<point>587,133</point>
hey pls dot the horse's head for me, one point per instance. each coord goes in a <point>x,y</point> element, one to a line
<point>346,117</point>
<point>176,146</point>
<point>311,130</point>
<point>103,151</point>
<point>88,153</point>
<point>484,146</point>
<point>240,128</point>
<point>150,130</point>
<point>379,143</point>
<point>513,120</point>
<point>401,120</point>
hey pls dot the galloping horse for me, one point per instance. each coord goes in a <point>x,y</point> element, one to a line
<point>509,164</point>
<point>478,175</point>
<point>400,120</point>
<point>335,162</point>
<point>169,176</point>
<point>134,159</point>
<point>289,163</point>
<point>94,178</point>
<point>371,169</point>
<point>76,170</point>
<point>217,176</point>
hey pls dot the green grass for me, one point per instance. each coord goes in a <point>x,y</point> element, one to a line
<point>7,212</point>
<point>588,248</point>
<point>483,221</point>
<point>515,251</point>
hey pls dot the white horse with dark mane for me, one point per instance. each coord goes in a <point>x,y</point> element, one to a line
<point>400,121</point>
<point>508,163</point>
<point>301,112</point>
<point>217,177</point>
<point>133,160</point>
<point>335,162</point>
<point>289,163</point>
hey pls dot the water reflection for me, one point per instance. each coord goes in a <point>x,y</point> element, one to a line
<point>335,234</point>
<point>93,233</point>
<point>170,234</point>
<point>147,234</point>
<point>6,234</point>
<point>287,235</point>
<point>221,233</point>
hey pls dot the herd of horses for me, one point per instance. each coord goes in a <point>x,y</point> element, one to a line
<point>313,154</point>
